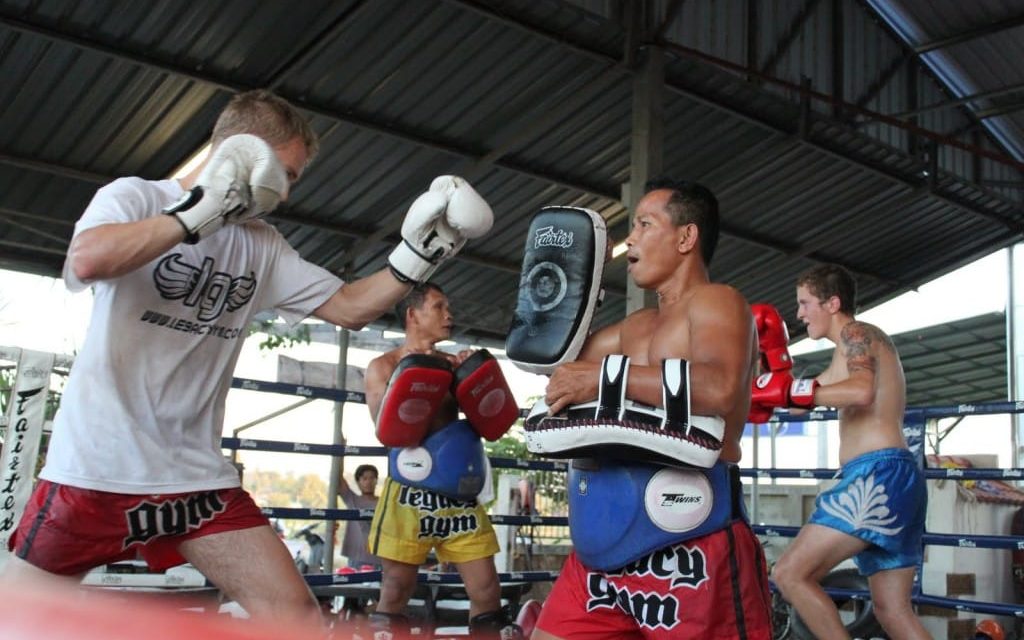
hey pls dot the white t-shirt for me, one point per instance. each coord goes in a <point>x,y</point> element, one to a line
<point>143,410</point>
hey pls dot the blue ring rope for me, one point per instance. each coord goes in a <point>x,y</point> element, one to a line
<point>918,413</point>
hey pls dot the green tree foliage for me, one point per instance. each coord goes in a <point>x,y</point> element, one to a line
<point>272,489</point>
<point>6,384</point>
<point>276,337</point>
<point>548,484</point>
<point>510,445</point>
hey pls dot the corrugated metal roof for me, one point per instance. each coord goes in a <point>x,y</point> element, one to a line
<point>529,99</point>
<point>972,48</point>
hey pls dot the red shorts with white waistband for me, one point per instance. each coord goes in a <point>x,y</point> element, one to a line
<point>711,587</point>
<point>67,531</point>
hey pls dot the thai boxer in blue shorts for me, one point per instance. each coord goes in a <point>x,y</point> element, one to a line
<point>876,513</point>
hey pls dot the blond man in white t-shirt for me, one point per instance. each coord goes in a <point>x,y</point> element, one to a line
<point>179,268</point>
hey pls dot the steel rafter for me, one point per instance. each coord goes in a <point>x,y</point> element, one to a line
<point>787,40</point>
<point>970,34</point>
<point>974,97</point>
<point>883,79</point>
<point>963,37</point>
<point>718,103</point>
<point>386,129</point>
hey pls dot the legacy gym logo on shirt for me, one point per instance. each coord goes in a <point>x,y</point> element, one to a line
<point>211,291</point>
<point>202,288</point>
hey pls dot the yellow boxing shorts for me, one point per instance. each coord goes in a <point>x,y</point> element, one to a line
<point>409,522</point>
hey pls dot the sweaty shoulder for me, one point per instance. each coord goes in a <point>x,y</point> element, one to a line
<point>385,362</point>
<point>718,299</point>
<point>378,372</point>
<point>640,315</point>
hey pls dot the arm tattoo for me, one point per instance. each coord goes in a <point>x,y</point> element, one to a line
<point>857,341</point>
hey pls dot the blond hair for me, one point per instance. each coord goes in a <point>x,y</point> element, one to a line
<point>268,116</point>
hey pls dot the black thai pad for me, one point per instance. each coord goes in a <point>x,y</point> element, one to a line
<point>558,288</point>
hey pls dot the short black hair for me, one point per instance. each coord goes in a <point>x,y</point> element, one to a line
<point>692,203</point>
<point>363,468</point>
<point>415,298</point>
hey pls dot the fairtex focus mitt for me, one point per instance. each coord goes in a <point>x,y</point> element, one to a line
<point>484,396</point>
<point>415,393</point>
<point>559,288</point>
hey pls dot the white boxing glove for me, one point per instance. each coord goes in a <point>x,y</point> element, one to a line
<point>241,181</point>
<point>430,233</point>
<point>468,213</point>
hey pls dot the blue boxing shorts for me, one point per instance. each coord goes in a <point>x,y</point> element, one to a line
<point>881,498</point>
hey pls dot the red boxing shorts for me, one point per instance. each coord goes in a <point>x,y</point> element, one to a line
<point>711,587</point>
<point>68,531</point>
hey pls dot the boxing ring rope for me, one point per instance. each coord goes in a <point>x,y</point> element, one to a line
<point>931,473</point>
<point>424,577</point>
<point>914,416</point>
<point>294,513</point>
<point>305,391</point>
<point>301,513</point>
<point>911,413</point>
<point>279,446</point>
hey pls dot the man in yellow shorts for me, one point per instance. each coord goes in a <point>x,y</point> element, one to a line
<point>437,464</point>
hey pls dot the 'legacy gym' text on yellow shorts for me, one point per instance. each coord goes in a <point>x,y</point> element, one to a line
<point>409,522</point>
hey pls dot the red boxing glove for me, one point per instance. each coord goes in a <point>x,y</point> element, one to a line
<point>772,338</point>
<point>771,390</point>
<point>780,389</point>
<point>801,393</point>
<point>484,396</point>
<point>415,393</point>
<point>759,414</point>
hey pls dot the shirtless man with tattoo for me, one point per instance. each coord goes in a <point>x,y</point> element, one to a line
<point>876,512</point>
